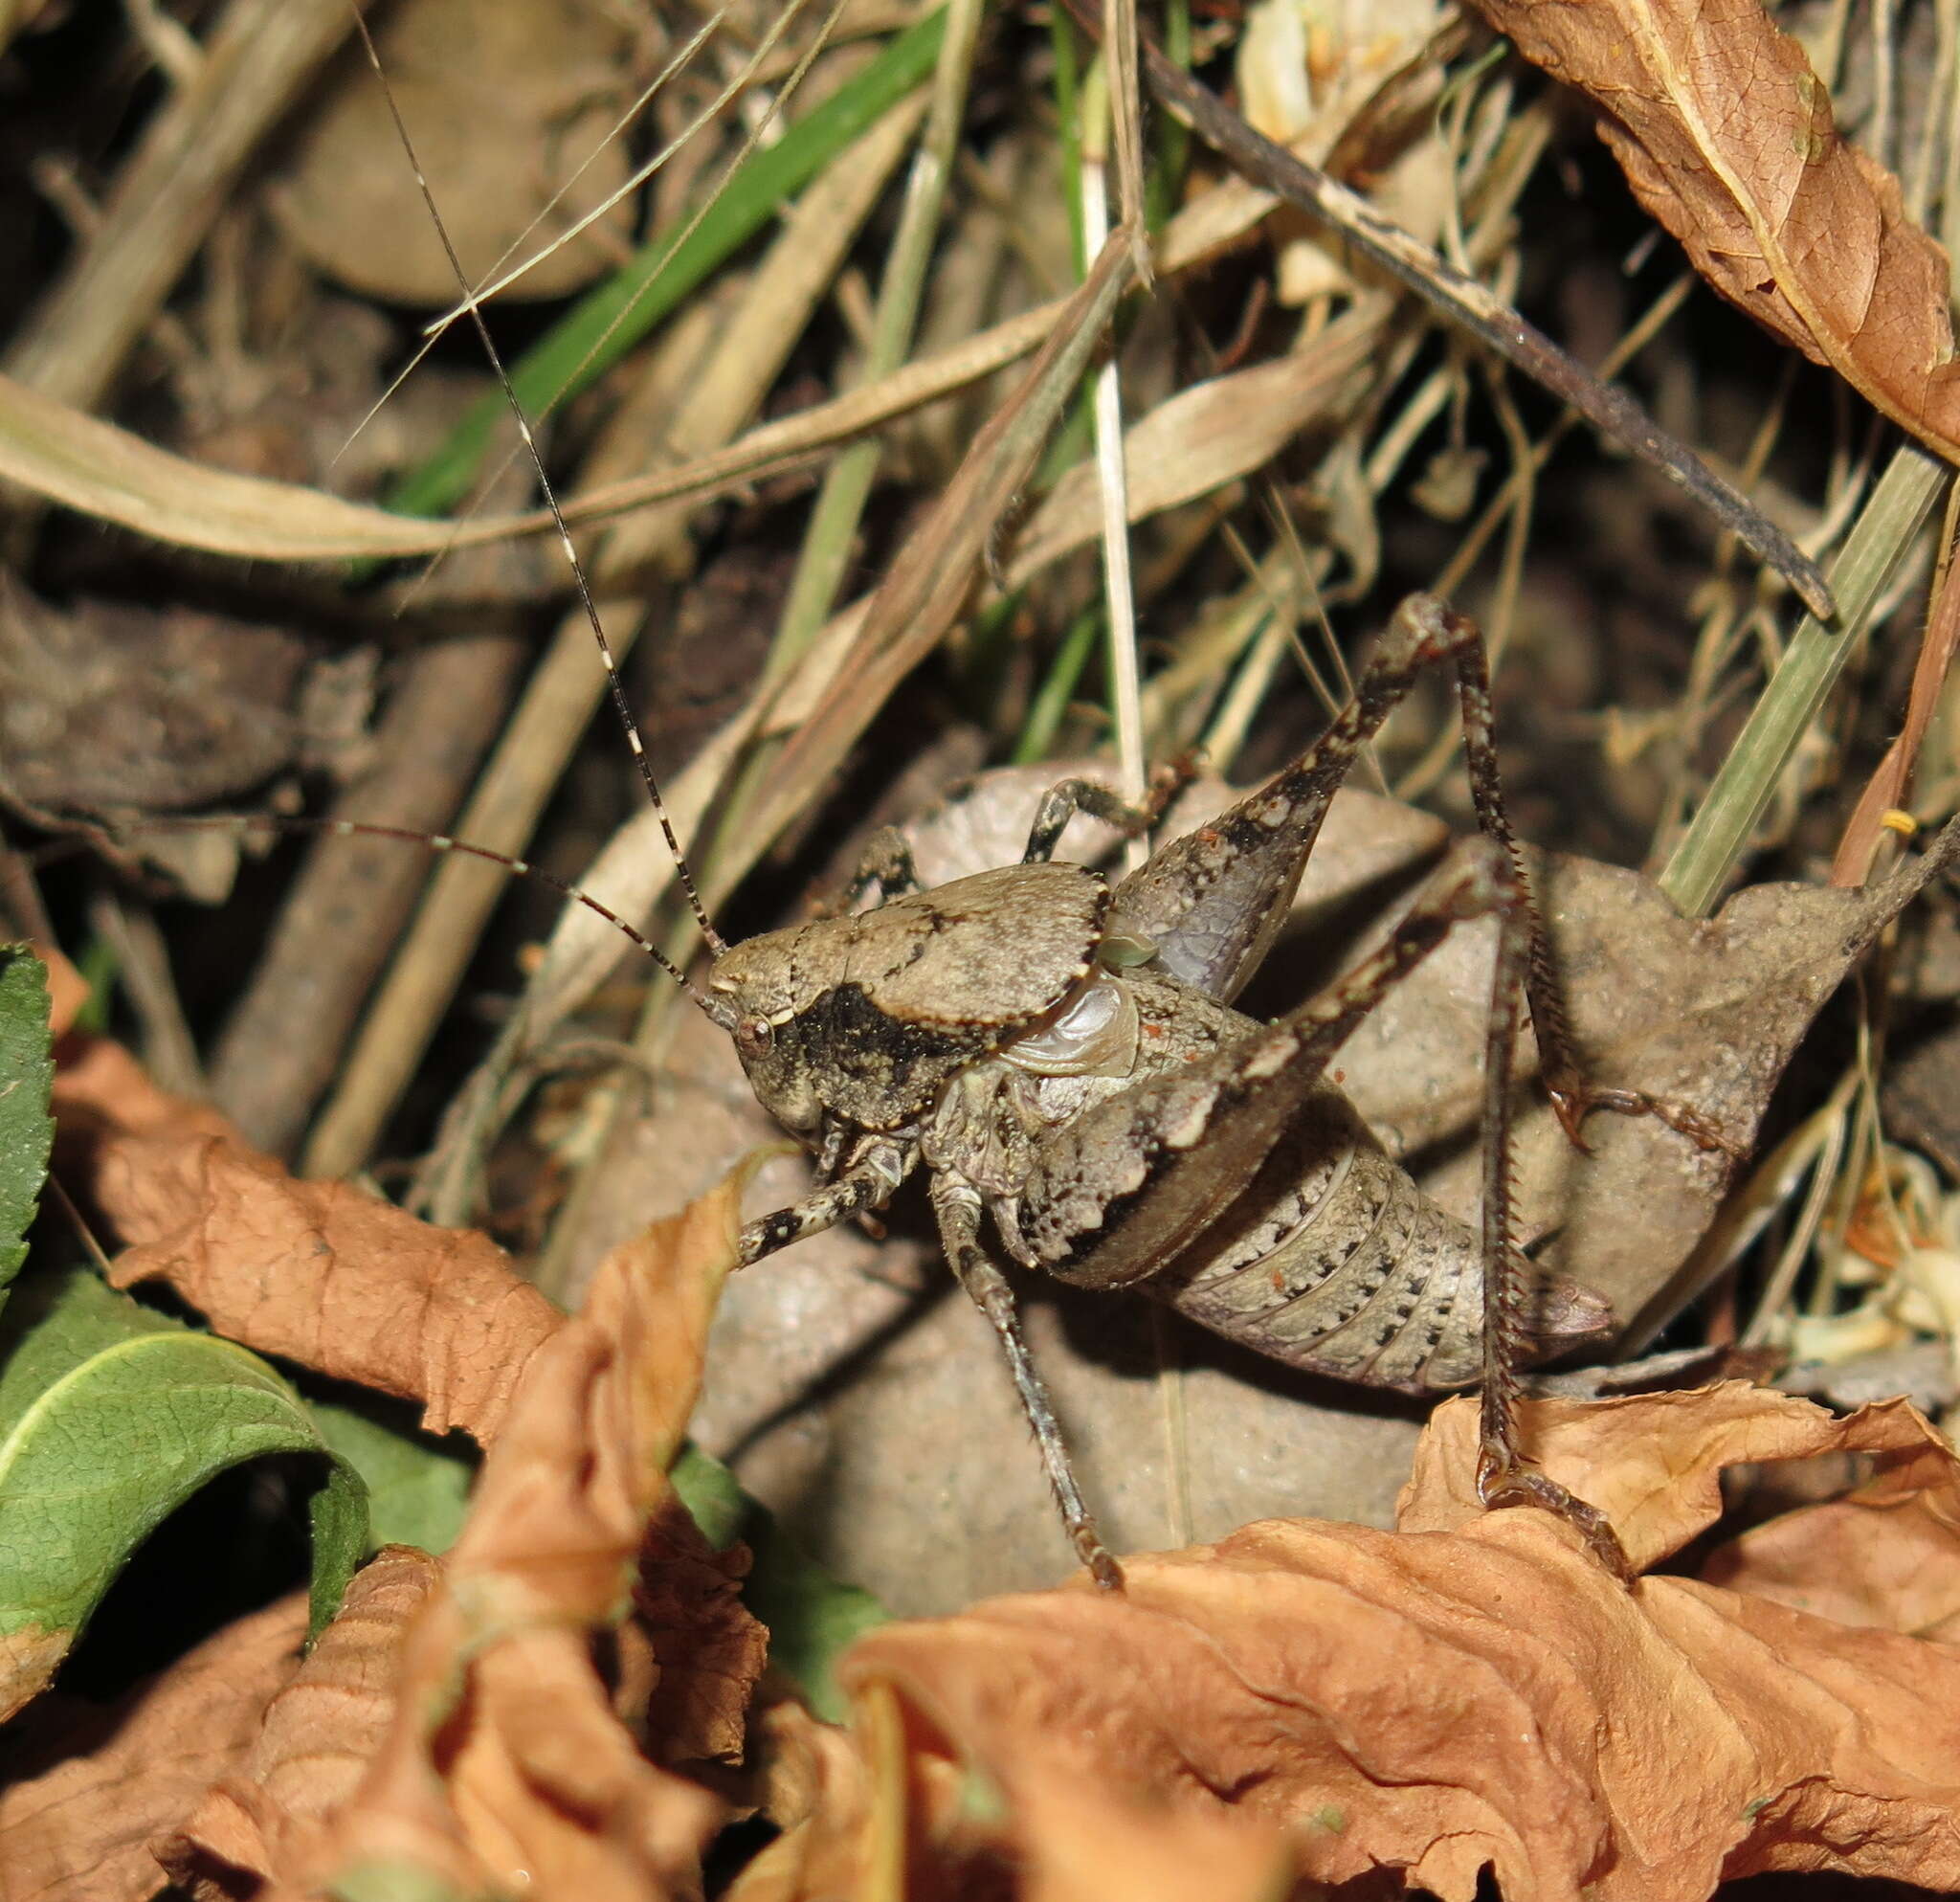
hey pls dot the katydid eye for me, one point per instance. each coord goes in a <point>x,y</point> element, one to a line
<point>754,1034</point>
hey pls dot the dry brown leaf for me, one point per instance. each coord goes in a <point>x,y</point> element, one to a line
<point>1703,1013</point>
<point>316,1738</point>
<point>887,1818</point>
<point>1653,1461</point>
<point>108,707</point>
<point>505,1765</point>
<point>1083,1847</point>
<point>1727,136</point>
<point>1883,1554</point>
<point>81,1831</point>
<point>1479,1692</point>
<point>1890,786</point>
<point>320,1272</point>
<point>706,1649</point>
<point>821,1852</point>
<point>68,990</point>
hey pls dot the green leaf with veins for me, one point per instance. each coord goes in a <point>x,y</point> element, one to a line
<point>418,1487</point>
<point>27,1074</point>
<point>111,1417</point>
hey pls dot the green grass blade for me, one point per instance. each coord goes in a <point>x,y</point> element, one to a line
<point>605,325</point>
<point>1885,526</point>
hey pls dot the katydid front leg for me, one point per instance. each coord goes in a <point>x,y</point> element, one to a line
<point>957,1205</point>
<point>865,1183</point>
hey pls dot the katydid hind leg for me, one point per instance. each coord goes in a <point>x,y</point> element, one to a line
<point>1505,1474</point>
<point>887,863</point>
<point>1212,900</point>
<point>1559,1066</point>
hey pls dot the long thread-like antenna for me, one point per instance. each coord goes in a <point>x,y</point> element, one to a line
<point>235,823</point>
<point>682,871</point>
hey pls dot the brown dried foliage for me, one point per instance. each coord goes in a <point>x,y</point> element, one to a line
<point>504,1761</point>
<point>1302,1701</point>
<point>79,1829</point>
<point>320,1272</point>
<point>1473,1689</point>
<point>1727,136</point>
<point>317,1739</point>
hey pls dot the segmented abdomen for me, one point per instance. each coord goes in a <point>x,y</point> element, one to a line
<point>1334,1260</point>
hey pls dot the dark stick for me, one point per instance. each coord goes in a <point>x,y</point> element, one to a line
<point>1467,303</point>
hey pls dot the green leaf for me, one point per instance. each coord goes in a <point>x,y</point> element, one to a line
<point>379,1880</point>
<point>606,323</point>
<point>418,1487</point>
<point>813,1618</point>
<point>110,1417</point>
<point>27,1074</point>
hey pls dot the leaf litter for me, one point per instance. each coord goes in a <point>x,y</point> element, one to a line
<point>1301,1695</point>
<point>77,1828</point>
<point>1297,1698</point>
<point>1473,1689</point>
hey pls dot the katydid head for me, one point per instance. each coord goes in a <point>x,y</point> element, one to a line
<point>865,1018</point>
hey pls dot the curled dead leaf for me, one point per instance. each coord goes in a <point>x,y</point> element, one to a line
<point>320,1272</point>
<point>1478,1691</point>
<point>316,1738</point>
<point>706,1649</point>
<point>504,1762</point>
<point>1727,136</point>
<point>80,1830</point>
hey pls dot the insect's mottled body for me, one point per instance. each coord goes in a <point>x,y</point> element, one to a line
<point>1303,1240</point>
<point>1061,1058</point>
<point>1120,1126</point>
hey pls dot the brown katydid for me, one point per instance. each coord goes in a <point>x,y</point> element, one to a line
<point>1060,1057</point>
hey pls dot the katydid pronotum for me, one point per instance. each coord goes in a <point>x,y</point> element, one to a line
<point>1060,1057</point>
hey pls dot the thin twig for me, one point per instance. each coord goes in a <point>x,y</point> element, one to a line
<point>1467,302</point>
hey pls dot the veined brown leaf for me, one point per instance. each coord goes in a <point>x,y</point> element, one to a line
<point>1473,1690</point>
<point>320,1272</point>
<point>1727,136</point>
